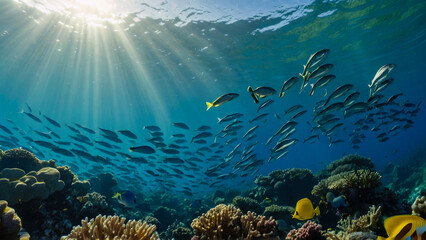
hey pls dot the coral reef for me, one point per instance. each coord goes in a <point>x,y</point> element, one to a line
<point>112,227</point>
<point>22,159</point>
<point>419,207</point>
<point>182,233</point>
<point>10,224</point>
<point>247,204</point>
<point>344,181</point>
<point>104,183</point>
<point>345,164</point>
<point>284,186</point>
<point>363,227</point>
<point>309,231</point>
<point>165,216</point>
<point>280,212</point>
<point>33,185</point>
<point>228,222</point>
<point>93,205</point>
<point>368,222</point>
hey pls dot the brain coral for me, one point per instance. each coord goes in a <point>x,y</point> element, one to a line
<point>33,185</point>
<point>112,227</point>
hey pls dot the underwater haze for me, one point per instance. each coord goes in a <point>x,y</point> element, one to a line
<point>120,87</point>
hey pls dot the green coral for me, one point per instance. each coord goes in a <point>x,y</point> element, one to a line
<point>279,212</point>
<point>360,179</point>
<point>247,204</point>
<point>345,164</point>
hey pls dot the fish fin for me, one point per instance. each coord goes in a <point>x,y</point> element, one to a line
<point>381,238</point>
<point>254,97</point>
<point>209,105</point>
<point>317,211</point>
<point>325,92</point>
<point>218,120</point>
<point>249,89</point>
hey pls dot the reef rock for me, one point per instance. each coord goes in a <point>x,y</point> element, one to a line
<point>286,186</point>
<point>10,224</point>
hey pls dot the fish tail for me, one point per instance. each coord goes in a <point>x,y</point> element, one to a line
<point>317,211</point>
<point>282,94</point>
<point>209,105</point>
<point>21,111</point>
<point>249,89</point>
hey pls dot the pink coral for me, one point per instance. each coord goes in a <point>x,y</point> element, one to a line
<point>309,231</point>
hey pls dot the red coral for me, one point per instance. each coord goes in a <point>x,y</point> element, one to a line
<point>309,231</point>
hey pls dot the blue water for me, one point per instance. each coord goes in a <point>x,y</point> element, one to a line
<point>156,68</point>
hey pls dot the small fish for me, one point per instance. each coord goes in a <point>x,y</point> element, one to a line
<point>340,91</point>
<point>201,135</point>
<point>261,92</point>
<point>298,114</point>
<point>181,125</point>
<point>30,115</point>
<point>382,85</point>
<point>173,160</point>
<point>202,128</point>
<point>351,99</point>
<point>401,227</point>
<point>293,108</point>
<point>45,144</point>
<point>277,116</point>
<point>381,74</point>
<point>287,85</point>
<point>222,99</point>
<point>5,129</point>
<point>142,149</point>
<point>315,60</point>
<point>63,152</point>
<point>128,134</point>
<point>317,73</point>
<point>265,104</point>
<point>305,210</point>
<point>127,198</point>
<point>393,97</point>
<point>250,131</point>
<point>229,117</point>
<point>261,116</point>
<point>152,128</point>
<point>321,83</point>
<point>339,201</point>
<point>51,121</point>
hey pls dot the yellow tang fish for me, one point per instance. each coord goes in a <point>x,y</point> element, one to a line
<point>401,227</point>
<point>305,210</point>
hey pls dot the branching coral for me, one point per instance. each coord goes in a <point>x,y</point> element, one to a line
<point>220,222</point>
<point>112,227</point>
<point>254,226</point>
<point>367,222</point>
<point>341,182</point>
<point>419,207</point>
<point>309,231</point>
<point>227,222</point>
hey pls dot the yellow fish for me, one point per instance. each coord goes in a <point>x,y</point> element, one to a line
<point>401,227</point>
<point>268,200</point>
<point>305,210</point>
<point>221,100</point>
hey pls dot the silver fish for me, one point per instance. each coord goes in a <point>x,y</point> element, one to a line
<point>321,83</point>
<point>340,91</point>
<point>381,74</point>
<point>287,85</point>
